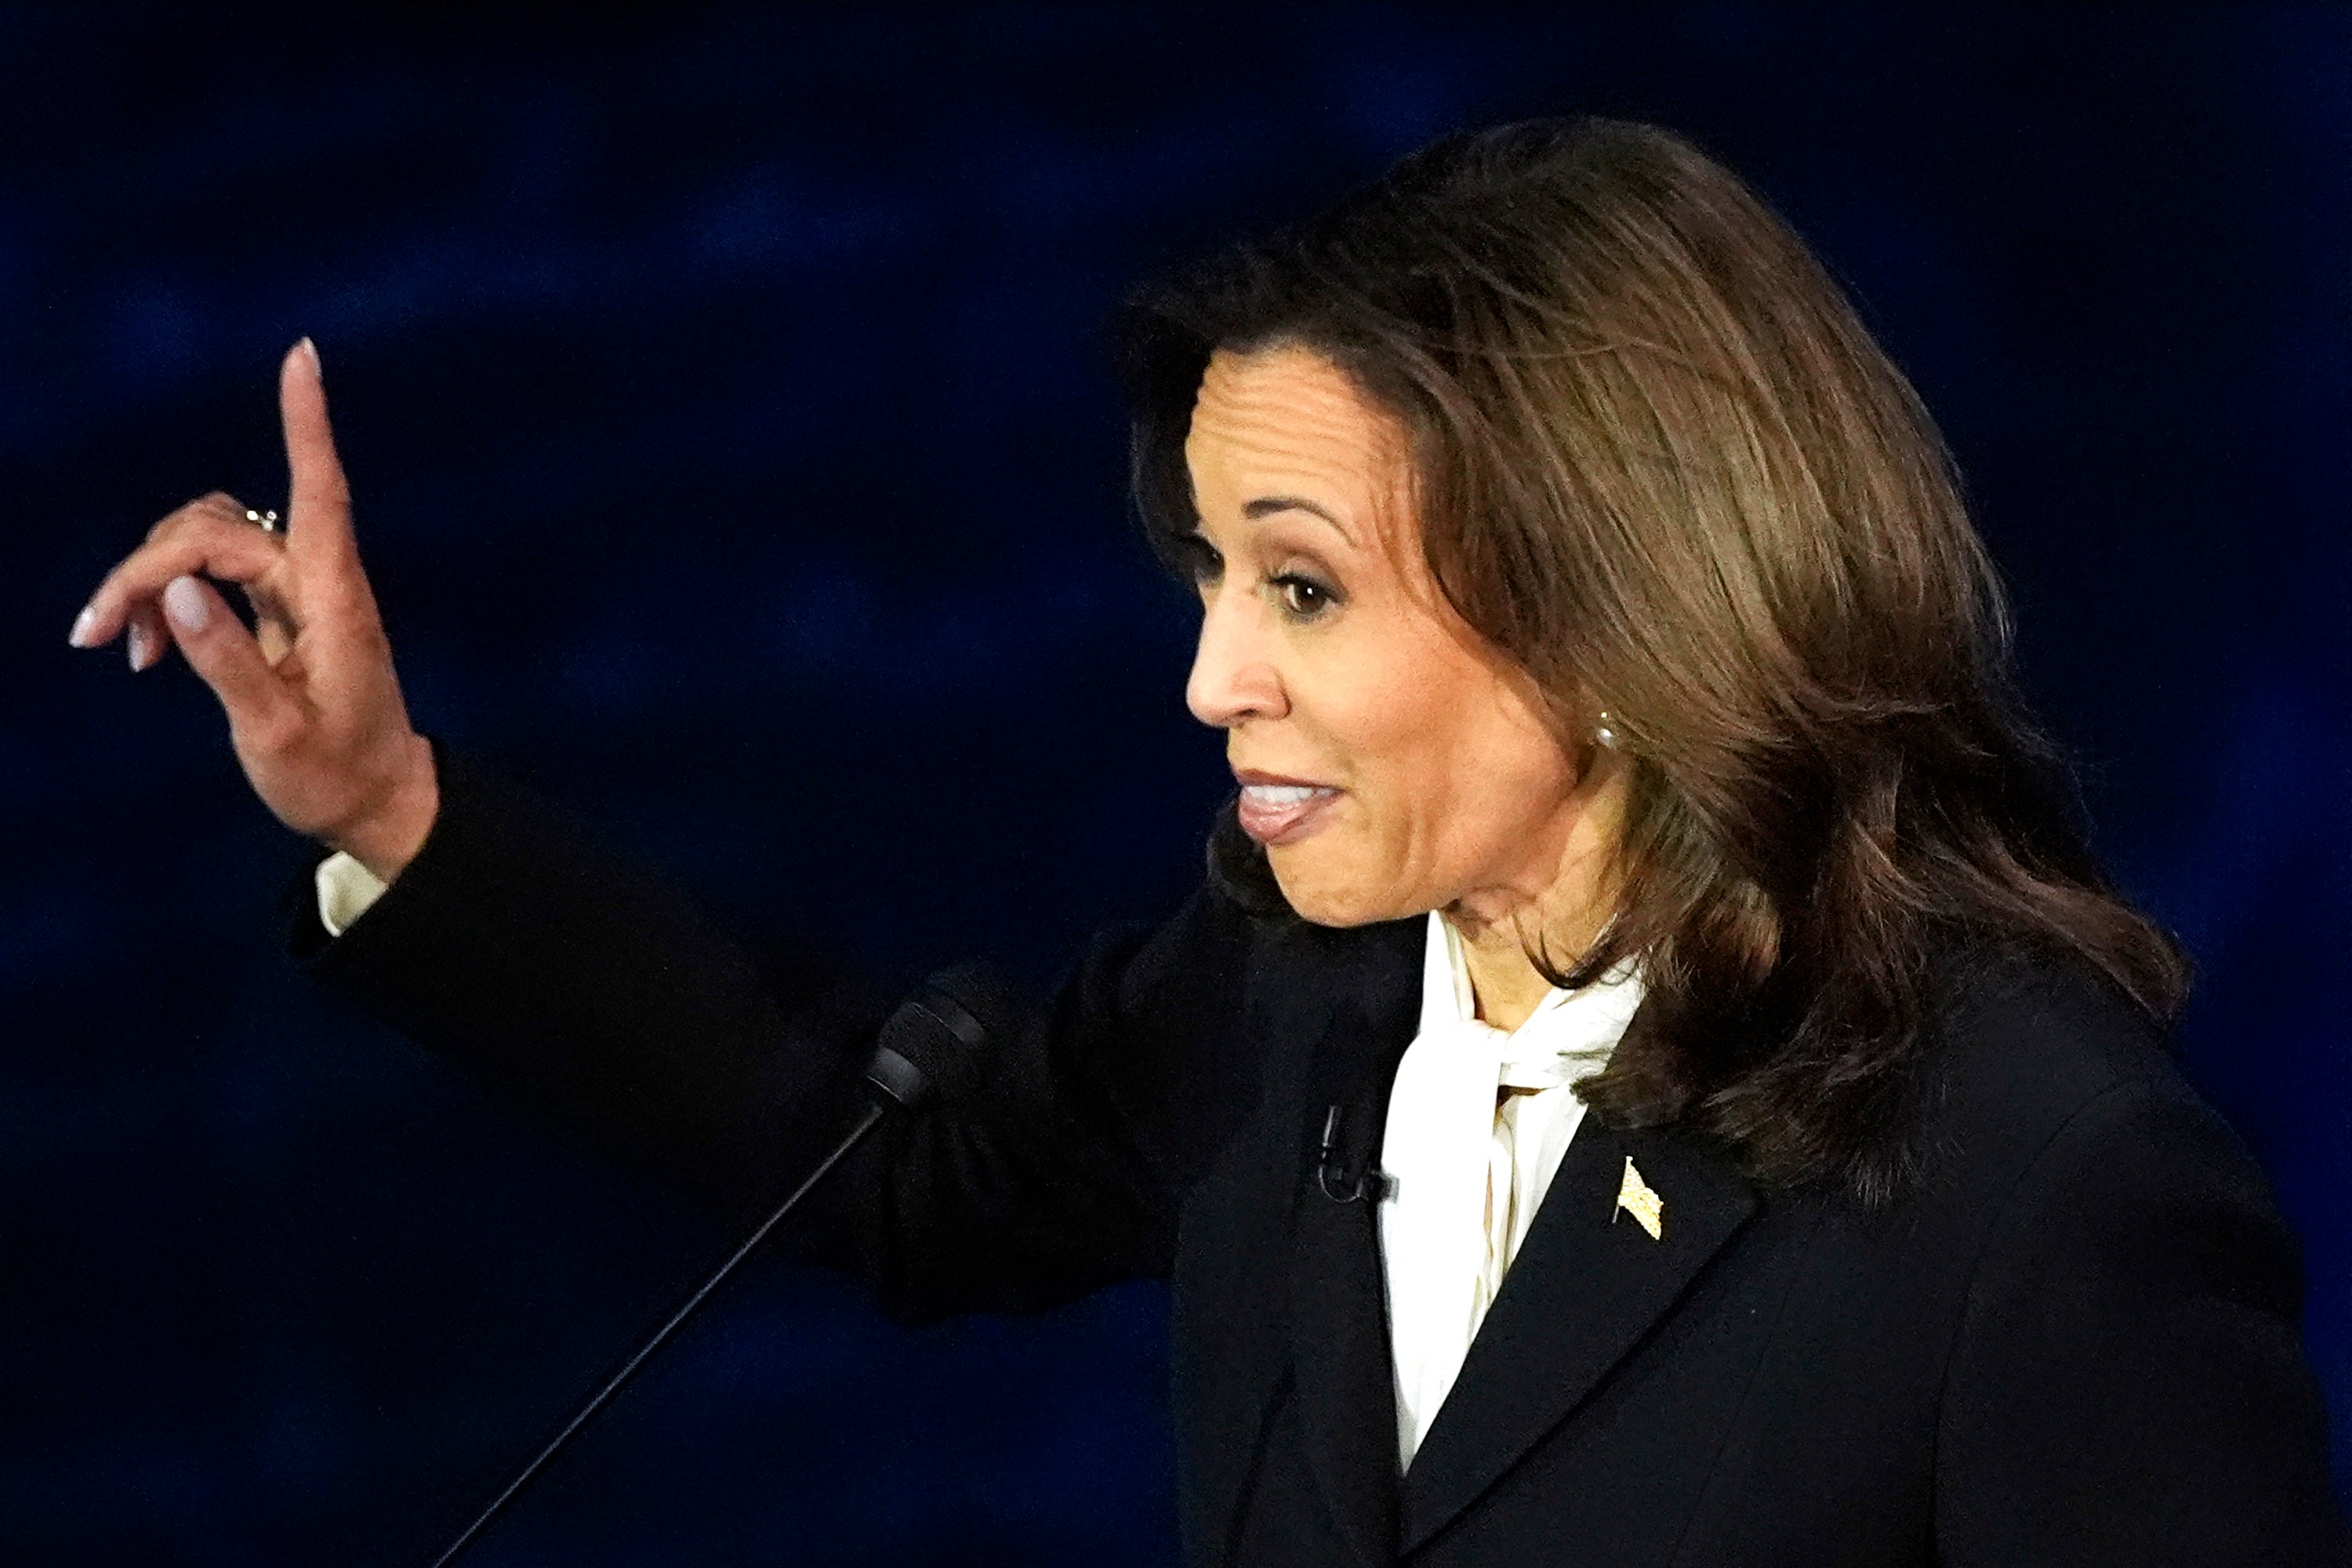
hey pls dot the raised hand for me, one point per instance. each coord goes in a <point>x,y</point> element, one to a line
<point>314,708</point>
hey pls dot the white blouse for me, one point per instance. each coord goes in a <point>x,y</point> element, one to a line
<point>346,889</point>
<point>1470,1160</point>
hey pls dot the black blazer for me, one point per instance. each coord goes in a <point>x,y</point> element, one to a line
<point>2076,1343</point>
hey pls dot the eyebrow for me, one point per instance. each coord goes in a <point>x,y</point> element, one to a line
<point>1266,505</point>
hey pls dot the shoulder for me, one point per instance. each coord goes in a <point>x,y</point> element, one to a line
<point>2062,1135</point>
<point>2086,1166</point>
<point>2129,1296</point>
<point>2027,1042</point>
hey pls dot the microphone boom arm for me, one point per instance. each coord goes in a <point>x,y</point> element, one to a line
<point>875,1111</point>
<point>929,1049</point>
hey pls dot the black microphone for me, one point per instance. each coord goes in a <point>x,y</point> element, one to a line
<point>1331,1172</point>
<point>929,1049</point>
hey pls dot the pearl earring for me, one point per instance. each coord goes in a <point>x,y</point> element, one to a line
<point>1605,731</point>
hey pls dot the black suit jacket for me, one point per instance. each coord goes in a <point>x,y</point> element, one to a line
<point>2075,1342</point>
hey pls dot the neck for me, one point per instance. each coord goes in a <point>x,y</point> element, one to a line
<point>1503,979</point>
<point>1569,908</point>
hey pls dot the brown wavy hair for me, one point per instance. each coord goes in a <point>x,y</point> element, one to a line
<point>1660,462</point>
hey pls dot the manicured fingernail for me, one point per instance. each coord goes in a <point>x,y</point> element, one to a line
<point>135,640</point>
<point>184,603</point>
<point>80,635</point>
<point>308,347</point>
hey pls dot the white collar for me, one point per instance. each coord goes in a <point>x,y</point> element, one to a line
<point>1439,1140</point>
<point>1570,1034</point>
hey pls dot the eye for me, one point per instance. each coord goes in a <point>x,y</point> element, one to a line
<point>1302,597</point>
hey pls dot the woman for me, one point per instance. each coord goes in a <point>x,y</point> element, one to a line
<point>1654,1074</point>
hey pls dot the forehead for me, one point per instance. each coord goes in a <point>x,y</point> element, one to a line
<point>1288,420</point>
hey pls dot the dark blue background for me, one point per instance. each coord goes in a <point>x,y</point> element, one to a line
<point>736,460</point>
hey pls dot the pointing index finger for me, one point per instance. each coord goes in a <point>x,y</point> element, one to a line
<point>319,504</point>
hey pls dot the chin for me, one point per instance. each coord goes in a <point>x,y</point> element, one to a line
<point>1324,894</point>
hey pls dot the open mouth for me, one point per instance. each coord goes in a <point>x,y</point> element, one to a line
<point>1282,813</point>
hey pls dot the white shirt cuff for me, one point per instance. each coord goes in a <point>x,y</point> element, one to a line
<point>346,889</point>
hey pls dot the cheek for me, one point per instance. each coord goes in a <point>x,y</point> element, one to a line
<point>1445,735</point>
<point>1452,774</point>
<point>1466,788</point>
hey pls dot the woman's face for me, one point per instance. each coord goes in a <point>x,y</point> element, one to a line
<point>1390,760</point>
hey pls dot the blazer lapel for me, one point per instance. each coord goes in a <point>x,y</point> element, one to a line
<point>1340,1352</point>
<point>1586,1286</point>
<point>1338,1315</point>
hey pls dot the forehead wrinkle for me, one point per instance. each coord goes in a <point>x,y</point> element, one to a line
<point>1285,416</point>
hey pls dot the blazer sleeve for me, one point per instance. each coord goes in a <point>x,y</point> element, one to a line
<point>591,990</point>
<point>2129,1386</point>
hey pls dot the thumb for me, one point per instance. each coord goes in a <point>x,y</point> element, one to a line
<point>220,650</point>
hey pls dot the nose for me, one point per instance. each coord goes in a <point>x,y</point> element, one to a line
<point>1235,677</point>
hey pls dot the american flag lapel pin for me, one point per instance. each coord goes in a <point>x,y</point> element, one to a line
<point>1635,1197</point>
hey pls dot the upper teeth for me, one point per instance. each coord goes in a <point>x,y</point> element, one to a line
<point>1281,795</point>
